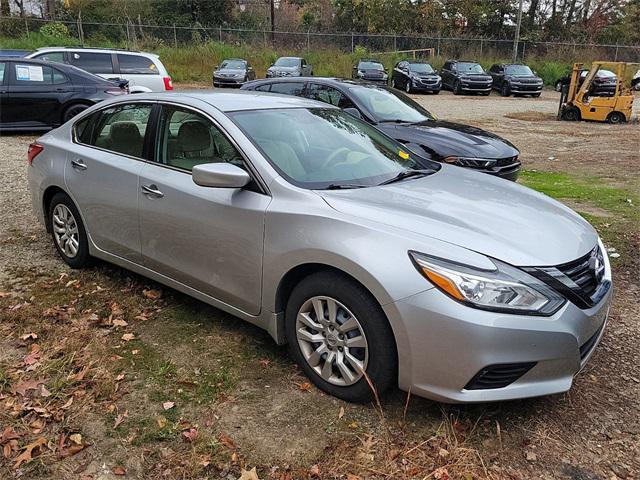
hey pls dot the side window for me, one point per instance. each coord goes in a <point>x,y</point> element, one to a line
<point>120,129</point>
<point>304,62</point>
<point>51,57</point>
<point>327,94</point>
<point>137,64</point>
<point>84,129</point>
<point>189,139</point>
<point>263,88</point>
<point>288,88</point>
<point>38,75</point>
<point>92,62</point>
<point>2,69</point>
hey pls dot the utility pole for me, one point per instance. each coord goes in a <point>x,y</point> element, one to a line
<point>516,39</point>
<point>273,20</point>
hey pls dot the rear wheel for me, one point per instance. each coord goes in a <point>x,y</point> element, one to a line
<point>73,110</point>
<point>616,117</point>
<point>67,229</point>
<point>337,332</point>
<point>407,86</point>
<point>571,114</point>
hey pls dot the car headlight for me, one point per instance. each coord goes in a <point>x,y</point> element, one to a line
<point>504,289</point>
<point>470,161</point>
<point>385,76</point>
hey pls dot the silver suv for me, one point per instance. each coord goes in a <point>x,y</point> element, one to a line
<point>144,71</point>
<point>315,226</point>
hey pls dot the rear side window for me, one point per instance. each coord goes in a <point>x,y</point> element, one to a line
<point>38,75</point>
<point>288,88</point>
<point>137,64</point>
<point>120,129</point>
<point>2,69</point>
<point>51,57</point>
<point>263,88</point>
<point>93,62</point>
<point>327,94</point>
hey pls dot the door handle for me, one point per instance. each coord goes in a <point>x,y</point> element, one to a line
<point>78,164</point>
<point>152,190</point>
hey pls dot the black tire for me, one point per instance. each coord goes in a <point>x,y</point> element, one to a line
<point>436,92</point>
<point>393,83</point>
<point>81,258</point>
<point>536,95</point>
<point>571,114</point>
<point>505,91</point>
<point>558,86</point>
<point>382,356</point>
<point>73,110</point>
<point>457,88</point>
<point>616,118</point>
<point>407,86</point>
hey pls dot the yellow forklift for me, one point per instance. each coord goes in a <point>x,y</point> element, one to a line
<point>577,102</point>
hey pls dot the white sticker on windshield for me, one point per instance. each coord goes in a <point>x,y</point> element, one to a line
<point>29,73</point>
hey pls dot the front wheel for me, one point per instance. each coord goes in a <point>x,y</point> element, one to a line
<point>67,229</point>
<point>616,117</point>
<point>558,86</point>
<point>337,333</point>
<point>393,83</point>
<point>407,86</point>
<point>505,91</point>
<point>457,88</point>
<point>571,114</point>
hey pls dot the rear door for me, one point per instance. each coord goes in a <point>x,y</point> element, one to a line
<point>36,94</point>
<point>4,89</point>
<point>98,63</point>
<point>102,175</point>
<point>208,238</point>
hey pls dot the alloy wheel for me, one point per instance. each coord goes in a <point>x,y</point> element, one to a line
<point>407,86</point>
<point>65,230</point>
<point>332,340</point>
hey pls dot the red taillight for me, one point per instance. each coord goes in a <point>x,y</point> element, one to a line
<point>168,84</point>
<point>34,150</point>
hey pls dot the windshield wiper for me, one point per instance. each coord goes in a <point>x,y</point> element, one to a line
<point>407,174</point>
<point>343,186</point>
<point>396,120</point>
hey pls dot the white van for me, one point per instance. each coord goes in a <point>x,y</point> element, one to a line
<point>145,71</point>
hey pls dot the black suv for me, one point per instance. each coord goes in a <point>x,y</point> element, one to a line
<point>414,76</point>
<point>370,70</point>
<point>465,76</point>
<point>403,119</point>
<point>513,78</point>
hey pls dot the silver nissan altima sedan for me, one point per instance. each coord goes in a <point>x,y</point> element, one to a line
<point>313,225</point>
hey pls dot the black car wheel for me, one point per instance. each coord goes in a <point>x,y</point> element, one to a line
<point>616,117</point>
<point>457,88</point>
<point>73,110</point>
<point>505,91</point>
<point>393,83</point>
<point>436,92</point>
<point>407,86</point>
<point>67,229</point>
<point>536,95</point>
<point>558,86</point>
<point>572,114</point>
<point>339,335</point>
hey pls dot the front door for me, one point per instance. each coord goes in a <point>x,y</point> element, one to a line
<point>102,175</point>
<point>210,239</point>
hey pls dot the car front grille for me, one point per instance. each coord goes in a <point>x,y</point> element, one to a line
<point>581,281</point>
<point>502,162</point>
<point>498,376</point>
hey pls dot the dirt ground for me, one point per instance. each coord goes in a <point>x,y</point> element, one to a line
<point>130,379</point>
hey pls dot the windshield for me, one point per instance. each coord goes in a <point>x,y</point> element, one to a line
<point>232,65</point>
<point>370,66</point>
<point>468,67</point>
<point>287,62</point>
<point>517,70</point>
<point>420,68</point>
<point>325,148</point>
<point>390,106</point>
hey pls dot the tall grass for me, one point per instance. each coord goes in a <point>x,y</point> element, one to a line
<point>195,62</point>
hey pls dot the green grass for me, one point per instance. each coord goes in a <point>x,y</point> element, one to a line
<point>195,62</point>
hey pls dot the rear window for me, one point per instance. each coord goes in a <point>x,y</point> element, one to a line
<point>288,88</point>
<point>38,75</point>
<point>93,62</point>
<point>137,64</point>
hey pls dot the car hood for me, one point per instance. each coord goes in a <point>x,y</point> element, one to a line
<point>445,139</point>
<point>488,215</point>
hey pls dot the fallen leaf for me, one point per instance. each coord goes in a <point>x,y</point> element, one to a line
<point>152,294</point>
<point>168,405</point>
<point>120,377</point>
<point>27,336</point>
<point>351,476</point>
<point>161,421</point>
<point>305,386</point>
<point>118,322</point>
<point>441,474</point>
<point>37,426</point>
<point>190,435</point>
<point>353,424</point>
<point>44,392</point>
<point>135,352</point>
<point>76,438</point>
<point>120,471</point>
<point>120,418</point>
<point>264,362</point>
<point>127,337</point>
<point>227,441</point>
<point>9,434</point>
<point>22,387</point>
<point>532,457</point>
<point>27,455</point>
<point>249,474</point>
<point>314,471</point>
<point>341,413</point>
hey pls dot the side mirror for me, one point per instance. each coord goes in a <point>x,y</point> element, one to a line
<point>354,112</point>
<point>219,175</point>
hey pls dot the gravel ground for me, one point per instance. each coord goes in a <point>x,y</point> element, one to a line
<point>593,431</point>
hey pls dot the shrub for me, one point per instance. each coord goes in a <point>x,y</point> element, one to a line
<point>55,30</point>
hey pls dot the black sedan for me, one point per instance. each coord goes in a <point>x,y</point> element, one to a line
<point>604,83</point>
<point>39,95</point>
<point>370,71</point>
<point>233,73</point>
<point>516,79</point>
<point>405,120</point>
<point>413,76</point>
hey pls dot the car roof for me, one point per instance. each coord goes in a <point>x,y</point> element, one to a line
<point>243,100</point>
<point>418,61</point>
<point>94,50</point>
<point>369,60</point>
<point>336,81</point>
<point>294,58</point>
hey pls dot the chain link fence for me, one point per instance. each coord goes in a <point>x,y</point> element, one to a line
<point>136,35</point>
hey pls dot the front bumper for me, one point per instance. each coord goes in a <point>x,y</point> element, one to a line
<point>475,87</point>
<point>227,82</point>
<point>445,344</point>
<point>427,87</point>
<point>526,88</point>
